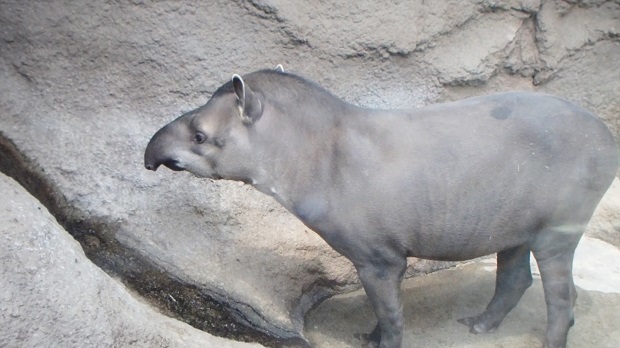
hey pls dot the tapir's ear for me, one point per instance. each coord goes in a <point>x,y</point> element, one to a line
<point>279,68</point>
<point>250,107</point>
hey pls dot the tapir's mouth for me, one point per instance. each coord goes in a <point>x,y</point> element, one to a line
<point>174,165</point>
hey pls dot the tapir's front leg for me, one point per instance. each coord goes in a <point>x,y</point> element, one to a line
<point>382,282</point>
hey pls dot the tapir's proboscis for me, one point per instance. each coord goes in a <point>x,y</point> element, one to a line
<point>509,173</point>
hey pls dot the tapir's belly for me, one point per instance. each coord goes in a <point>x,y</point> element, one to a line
<point>464,229</point>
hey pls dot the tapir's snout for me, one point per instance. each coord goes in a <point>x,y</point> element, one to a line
<point>152,161</point>
<point>158,153</point>
<point>172,164</point>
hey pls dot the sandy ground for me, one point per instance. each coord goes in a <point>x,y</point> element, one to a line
<point>433,303</point>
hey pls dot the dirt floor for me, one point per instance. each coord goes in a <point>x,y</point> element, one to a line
<point>433,303</point>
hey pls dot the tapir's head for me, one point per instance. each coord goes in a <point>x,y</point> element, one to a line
<point>212,141</point>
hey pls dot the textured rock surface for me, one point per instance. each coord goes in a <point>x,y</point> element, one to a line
<point>605,224</point>
<point>53,296</point>
<point>85,84</point>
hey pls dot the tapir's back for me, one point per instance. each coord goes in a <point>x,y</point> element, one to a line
<point>484,168</point>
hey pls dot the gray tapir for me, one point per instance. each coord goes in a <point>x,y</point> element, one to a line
<point>506,173</point>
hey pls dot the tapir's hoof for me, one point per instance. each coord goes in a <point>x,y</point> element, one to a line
<point>366,340</point>
<point>476,326</point>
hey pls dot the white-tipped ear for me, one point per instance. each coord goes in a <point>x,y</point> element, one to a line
<point>279,68</point>
<point>250,106</point>
<point>239,87</point>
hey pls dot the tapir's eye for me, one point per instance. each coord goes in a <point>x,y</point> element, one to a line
<point>200,137</point>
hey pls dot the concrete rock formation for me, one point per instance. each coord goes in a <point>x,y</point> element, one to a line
<point>85,84</point>
<point>52,295</point>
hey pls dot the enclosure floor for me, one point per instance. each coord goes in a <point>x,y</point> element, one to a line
<point>433,303</point>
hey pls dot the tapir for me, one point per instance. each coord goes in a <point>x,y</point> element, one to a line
<point>508,173</point>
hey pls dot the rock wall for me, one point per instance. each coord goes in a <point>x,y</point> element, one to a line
<point>85,85</point>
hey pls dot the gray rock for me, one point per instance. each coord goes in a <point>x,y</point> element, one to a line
<point>605,224</point>
<point>85,85</point>
<point>53,296</point>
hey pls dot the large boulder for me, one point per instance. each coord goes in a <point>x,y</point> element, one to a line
<point>85,85</point>
<point>53,296</point>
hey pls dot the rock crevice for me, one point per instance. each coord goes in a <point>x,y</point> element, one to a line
<point>204,309</point>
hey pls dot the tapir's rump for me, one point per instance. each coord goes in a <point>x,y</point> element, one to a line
<point>506,173</point>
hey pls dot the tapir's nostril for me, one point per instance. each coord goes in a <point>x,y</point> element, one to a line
<point>150,165</point>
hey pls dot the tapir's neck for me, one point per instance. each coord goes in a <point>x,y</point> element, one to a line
<point>299,149</point>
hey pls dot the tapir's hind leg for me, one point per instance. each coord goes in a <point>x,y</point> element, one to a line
<point>555,261</point>
<point>513,278</point>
